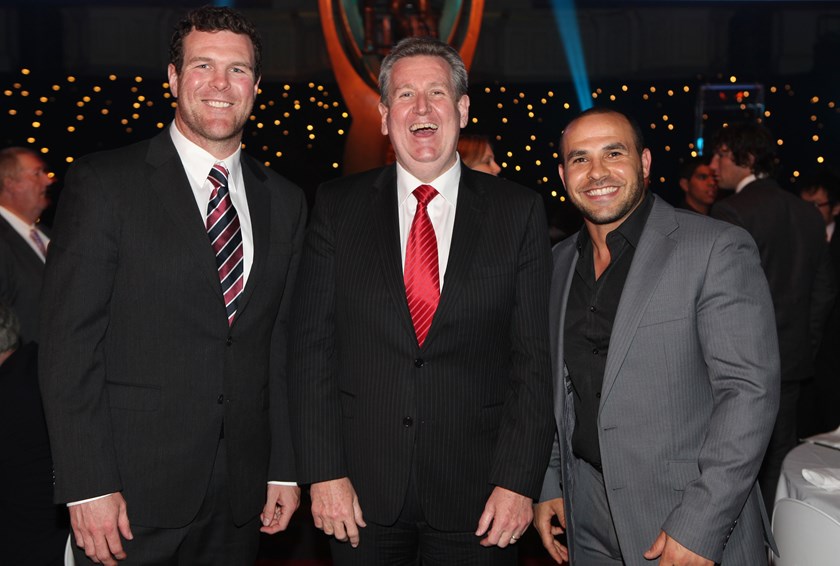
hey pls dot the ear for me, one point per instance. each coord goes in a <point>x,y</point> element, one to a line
<point>464,109</point>
<point>562,173</point>
<point>646,159</point>
<point>173,79</point>
<point>383,112</point>
<point>684,184</point>
<point>835,210</point>
<point>257,86</point>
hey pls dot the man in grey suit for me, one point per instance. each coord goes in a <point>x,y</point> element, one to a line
<point>666,370</point>
<point>24,180</point>
<point>167,291</point>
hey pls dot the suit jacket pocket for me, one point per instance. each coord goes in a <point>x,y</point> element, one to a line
<point>682,473</point>
<point>133,397</point>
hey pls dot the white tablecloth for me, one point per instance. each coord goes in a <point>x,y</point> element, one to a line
<point>793,485</point>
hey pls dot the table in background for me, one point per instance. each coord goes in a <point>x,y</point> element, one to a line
<point>793,485</point>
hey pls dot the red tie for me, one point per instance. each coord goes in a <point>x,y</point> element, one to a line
<point>422,279</point>
<point>226,238</point>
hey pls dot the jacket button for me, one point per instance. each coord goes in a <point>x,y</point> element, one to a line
<point>418,363</point>
<point>229,341</point>
<point>407,422</point>
<point>221,399</point>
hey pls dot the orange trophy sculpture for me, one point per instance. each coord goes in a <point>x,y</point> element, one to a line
<point>359,33</point>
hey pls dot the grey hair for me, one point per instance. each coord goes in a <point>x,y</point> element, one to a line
<point>9,329</point>
<point>429,46</point>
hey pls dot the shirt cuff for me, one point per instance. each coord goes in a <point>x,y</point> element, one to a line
<point>286,483</point>
<point>72,503</point>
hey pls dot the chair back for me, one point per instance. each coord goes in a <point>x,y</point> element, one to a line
<point>805,535</point>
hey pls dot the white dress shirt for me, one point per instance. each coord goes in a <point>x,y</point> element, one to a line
<point>197,163</point>
<point>441,209</point>
<point>24,230</point>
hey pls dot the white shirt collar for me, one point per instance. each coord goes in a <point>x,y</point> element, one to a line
<point>20,226</point>
<point>745,181</point>
<point>446,184</point>
<point>198,162</point>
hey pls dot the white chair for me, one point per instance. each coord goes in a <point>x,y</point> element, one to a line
<point>805,535</point>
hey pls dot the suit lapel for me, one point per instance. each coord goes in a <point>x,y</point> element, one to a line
<point>168,181</point>
<point>649,261</point>
<point>466,233</point>
<point>259,203</point>
<point>386,237</point>
<point>16,241</point>
<point>565,259</point>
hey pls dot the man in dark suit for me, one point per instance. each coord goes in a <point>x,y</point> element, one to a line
<point>33,529</point>
<point>165,309</point>
<point>820,397</point>
<point>24,180</point>
<point>420,384</point>
<point>794,257</point>
<point>666,370</point>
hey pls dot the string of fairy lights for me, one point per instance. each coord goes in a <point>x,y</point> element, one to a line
<point>299,129</point>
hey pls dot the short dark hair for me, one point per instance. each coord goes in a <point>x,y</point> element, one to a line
<point>212,18</point>
<point>432,47</point>
<point>745,139</point>
<point>690,165</point>
<point>827,180</point>
<point>638,135</point>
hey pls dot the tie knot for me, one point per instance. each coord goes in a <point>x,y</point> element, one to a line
<point>424,194</point>
<point>219,174</point>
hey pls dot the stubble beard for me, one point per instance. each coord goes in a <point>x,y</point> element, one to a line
<point>634,197</point>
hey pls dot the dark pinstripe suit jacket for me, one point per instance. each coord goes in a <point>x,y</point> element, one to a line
<point>21,276</point>
<point>473,406</point>
<point>139,369</point>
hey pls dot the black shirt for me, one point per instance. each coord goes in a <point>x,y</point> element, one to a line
<point>590,313</point>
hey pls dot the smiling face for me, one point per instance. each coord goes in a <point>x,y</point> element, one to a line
<point>423,117</point>
<point>215,89</point>
<point>602,170</point>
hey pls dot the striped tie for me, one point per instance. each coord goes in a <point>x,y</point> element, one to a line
<point>422,279</point>
<point>226,238</point>
<point>39,241</point>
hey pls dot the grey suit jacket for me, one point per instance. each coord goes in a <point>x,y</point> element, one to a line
<point>21,277</point>
<point>690,391</point>
<point>140,372</point>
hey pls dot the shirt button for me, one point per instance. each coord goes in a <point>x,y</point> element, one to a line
<point>407,422</point>
<point>592,308</point>
<point>598,395</point>
<point>221,399</point>
<point>595,351</point>
<point>418,363</point>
